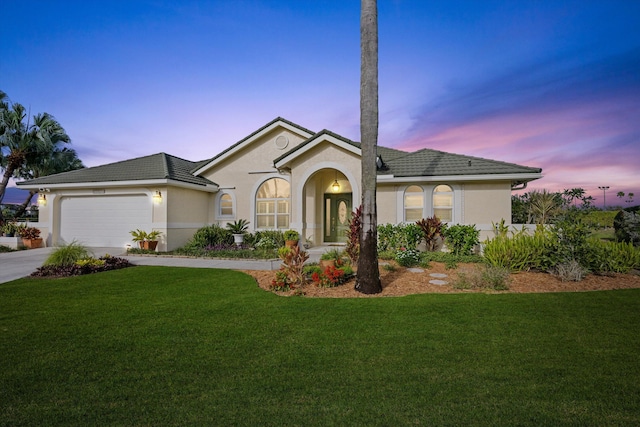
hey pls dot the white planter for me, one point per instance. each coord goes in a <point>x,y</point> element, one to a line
<point>12,242</point>
<point>238,239</point>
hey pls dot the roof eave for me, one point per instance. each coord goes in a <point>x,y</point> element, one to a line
<point>521,177</point>
<point>280,122</point>
<point>317,140</point>
<point>211,188</point>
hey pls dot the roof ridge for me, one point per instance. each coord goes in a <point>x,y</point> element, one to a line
<point>165,164</point>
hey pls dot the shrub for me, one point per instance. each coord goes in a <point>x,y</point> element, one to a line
<point>521,252</point>
<point>293,260</point>
<point>571,236</point>
<point>281,281</point>
<point>431,232</point>
<point>627,226</point>
<point>210,236</point>
<point>84,266</point>
<point>391,237</point>
<point>329,278</point>
<point>407,257</point>
<point>570,271</point>
<point>611,257</point>
<point>268,239</point>
<point>66,255</point>
<point>486,277</point>
<point>461,238</point>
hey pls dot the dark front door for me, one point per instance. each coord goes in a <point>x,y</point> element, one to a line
<point>337,214</point>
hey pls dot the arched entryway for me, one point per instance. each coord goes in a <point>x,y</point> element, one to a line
<point>328,196</point>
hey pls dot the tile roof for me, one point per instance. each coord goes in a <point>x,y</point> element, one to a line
<point>159,166</point>
<point>428,162</point>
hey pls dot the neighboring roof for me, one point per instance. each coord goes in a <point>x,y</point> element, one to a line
<point>159,166</point>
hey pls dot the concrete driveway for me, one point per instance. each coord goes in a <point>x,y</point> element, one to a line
<point>14,265</point>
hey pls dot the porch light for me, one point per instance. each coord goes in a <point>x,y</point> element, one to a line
<point>42,200</point>
<point>336,185</point>
<point>157,198</point>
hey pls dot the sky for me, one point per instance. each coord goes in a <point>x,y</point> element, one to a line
<point>551,84</point>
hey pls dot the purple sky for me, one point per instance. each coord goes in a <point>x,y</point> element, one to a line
<point>551,84</point>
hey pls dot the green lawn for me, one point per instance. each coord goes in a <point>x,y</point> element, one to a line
<point>169,346</point>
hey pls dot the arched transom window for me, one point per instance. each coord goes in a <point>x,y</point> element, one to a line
<point>443,203</point>
<point>413,203</point>
<point>273,204</point>
<point>225,205</point>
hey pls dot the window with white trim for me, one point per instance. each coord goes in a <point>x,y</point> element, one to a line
<point>273,204</point>
<point>443,203</point>
<point>225,205</point>
<point>413,203</point>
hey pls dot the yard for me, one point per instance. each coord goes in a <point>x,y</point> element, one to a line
<point>175,346</point>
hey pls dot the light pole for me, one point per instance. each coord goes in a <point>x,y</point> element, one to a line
<point>604,189</point>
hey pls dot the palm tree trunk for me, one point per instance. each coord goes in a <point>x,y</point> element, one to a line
<point>23,207</point>
<point>368,279</point>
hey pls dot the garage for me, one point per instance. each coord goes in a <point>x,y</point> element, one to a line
<point>104,221</point>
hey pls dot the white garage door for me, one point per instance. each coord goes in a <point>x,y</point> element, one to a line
<point>104,220</point>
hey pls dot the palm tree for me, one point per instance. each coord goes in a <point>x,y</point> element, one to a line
<point>20,140</point>
<point>43,164</point>
<point>620,194</point>
<point>544,206</point>
<point>368,279</point>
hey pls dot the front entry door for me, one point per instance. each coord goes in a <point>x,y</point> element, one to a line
<point>337,214</point>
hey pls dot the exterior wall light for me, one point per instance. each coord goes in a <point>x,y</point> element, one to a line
<point>157,198</point>
<point>42,200</point>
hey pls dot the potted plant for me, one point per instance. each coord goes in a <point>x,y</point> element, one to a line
<point>30,237</point>
<point>10,229</point>
<point>147,241</point>
<point>331,258</point>
<point>291,238</point>
<point>238,228</point>
<point>308,241</point>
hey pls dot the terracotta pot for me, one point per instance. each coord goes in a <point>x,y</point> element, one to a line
<point>324,263</point>
<point>32,243</point>
<point>149,245</point>
<point>291,243</point>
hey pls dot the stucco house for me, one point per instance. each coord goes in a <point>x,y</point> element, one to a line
<point>281,176</point>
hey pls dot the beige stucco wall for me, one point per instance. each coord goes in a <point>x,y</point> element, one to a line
<point>485,203</point>
<point>242,173</point>
<point>186,210</point>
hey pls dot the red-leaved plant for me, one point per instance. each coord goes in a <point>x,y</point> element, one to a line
<point>432,230</point>
<point>329,278</point>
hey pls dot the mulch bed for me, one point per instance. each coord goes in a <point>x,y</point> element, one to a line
<point>402,282</point>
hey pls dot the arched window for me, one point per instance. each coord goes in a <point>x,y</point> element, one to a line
<point>273,204</point>
<point>443,203</point>
<point>225,205</point>
<point>413,203</point>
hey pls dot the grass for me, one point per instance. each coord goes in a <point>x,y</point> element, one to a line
<point>173,346</point>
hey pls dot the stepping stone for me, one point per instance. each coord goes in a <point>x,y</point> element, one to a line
<point>438,275</point>
<point>438,282</point>
<point>415,270</point>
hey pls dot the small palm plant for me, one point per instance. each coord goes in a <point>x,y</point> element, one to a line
<point>238,227</point>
